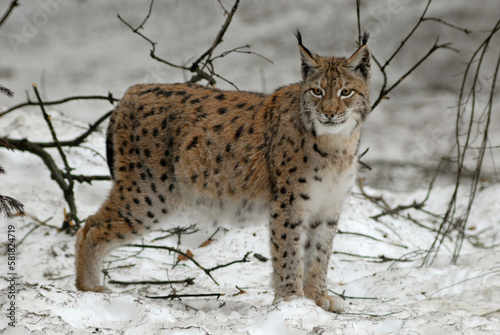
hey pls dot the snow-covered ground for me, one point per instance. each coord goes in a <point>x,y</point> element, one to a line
<point>83,49</point>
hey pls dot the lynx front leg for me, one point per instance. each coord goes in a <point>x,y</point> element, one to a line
<point>317,251</point>
<point>286,251</point>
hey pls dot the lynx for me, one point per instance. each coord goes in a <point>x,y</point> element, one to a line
<point>292,154</point>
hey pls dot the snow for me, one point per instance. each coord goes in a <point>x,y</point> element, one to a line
<point>94,53</point>
<point>402,296</point>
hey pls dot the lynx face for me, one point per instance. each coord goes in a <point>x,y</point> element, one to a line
<point>333,93</point>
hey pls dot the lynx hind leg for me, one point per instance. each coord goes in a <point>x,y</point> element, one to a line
<point>90,252</point>
<point>111,227</point>
<point>317,251</point>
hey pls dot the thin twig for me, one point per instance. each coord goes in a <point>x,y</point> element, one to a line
<point>27,234</point>
<point>376,259</point>
<point>449,220</point>
<point>370,237</point>
<point>191,229</point>
<point>218,39</point>
<point>71,143</point>
<point>176,251</point>
<point>344,297</point>
<point>67,187</point>
<point>109,98</point>
<point>403,42</point>
<point>238,50</point>
<point>385,91</point>
<point>141,26</point>
<point>207,271</point>
<point>89,179</point>
<point>200,73</point>
<point>178,296</point>
<point>187,281</point>
<point>9,10</point>
<point>465,30</point>
<point>489,313</point>
<point>358,5</point>
<point>463,281</point>
<point>244,260</point>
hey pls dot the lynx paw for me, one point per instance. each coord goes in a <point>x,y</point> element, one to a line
<point>330,303</point>
<point>290,297</point>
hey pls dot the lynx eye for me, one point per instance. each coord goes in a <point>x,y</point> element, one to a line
<point>346,93</point>
<point>317,92</point>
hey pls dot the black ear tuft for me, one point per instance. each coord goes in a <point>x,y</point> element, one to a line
<point>298,35</point>
<point>366,36</point>
<point>299,40</point>
<point>308,58</point>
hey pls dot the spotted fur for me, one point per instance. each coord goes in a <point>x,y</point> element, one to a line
<point>292,154</point>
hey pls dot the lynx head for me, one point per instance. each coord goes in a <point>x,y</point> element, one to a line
<point>335,90</point>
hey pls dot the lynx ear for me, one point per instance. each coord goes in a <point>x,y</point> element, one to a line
<point>360,62</point>
<point>307,57</point>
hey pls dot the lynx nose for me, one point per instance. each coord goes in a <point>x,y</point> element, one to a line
<point>330,110</point>
<point>330,114</point>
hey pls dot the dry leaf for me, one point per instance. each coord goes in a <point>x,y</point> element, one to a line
<point>207,242</point>
<point>184,258</point>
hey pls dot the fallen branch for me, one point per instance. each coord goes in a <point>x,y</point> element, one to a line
<point>178,231</point>
<point>340,232</point>
<point>179,296</point>
<point>207,271</point>
<point>345,297</point>
<point>376,259</point>
<point>187,281</point>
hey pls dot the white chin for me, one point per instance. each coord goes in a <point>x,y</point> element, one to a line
<point>344,128</point>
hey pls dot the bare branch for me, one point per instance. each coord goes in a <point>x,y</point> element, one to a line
<point>178,296</point>
<point>384,92</point>
<point>218,39</point>
<point>403,42</point>
<point>71,143</point>
<point>109,97</point>
<point>465,30</point>
<point>58,145</point>
<point>141,26</point>
<point>89,179</point>
<point>9,10</point>
<point>451,221</point>
<point>374,259</point>
<point>201,74</point>
<point>187,281</point>
<point>207,271</point>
